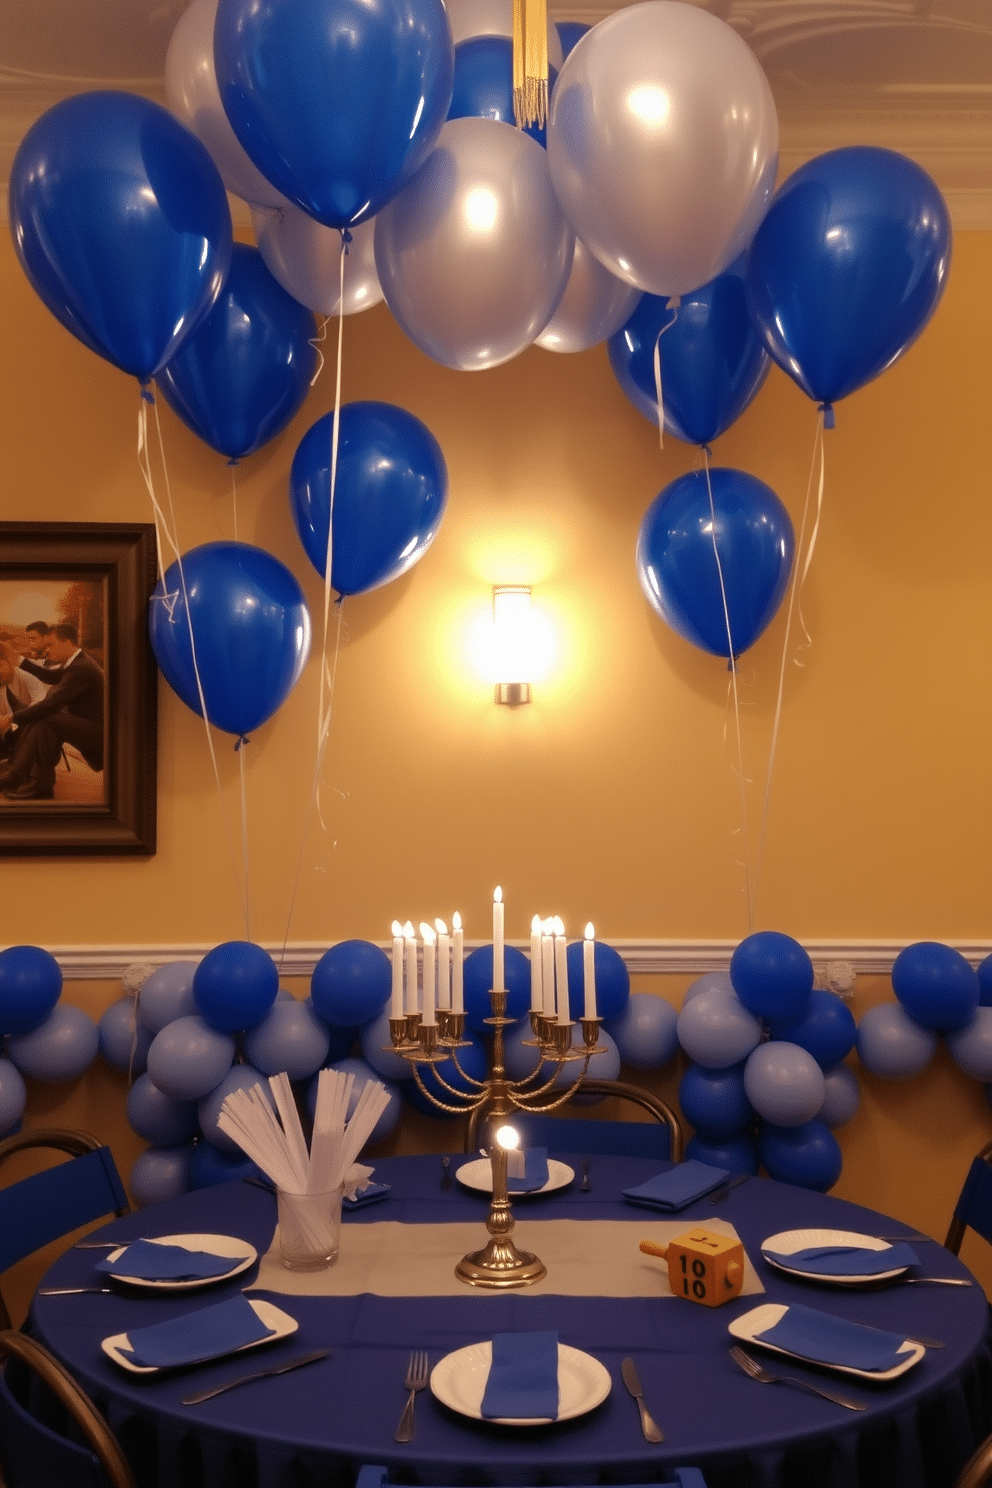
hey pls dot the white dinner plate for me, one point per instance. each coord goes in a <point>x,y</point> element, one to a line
<point>459,1381</point>
<point>792,1240</point>
<point>768,1314</point>
<point>240,1252</point>
<point>479,1174</point>
<point>272,1317</point>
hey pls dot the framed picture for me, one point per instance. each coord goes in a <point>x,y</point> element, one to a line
<point>78,689</point>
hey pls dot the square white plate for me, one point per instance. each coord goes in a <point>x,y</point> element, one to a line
<point>270,1316</point>
<point>747,1327</point>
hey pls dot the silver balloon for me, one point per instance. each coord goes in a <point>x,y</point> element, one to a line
<point>473,256</point>
<point>494,18</point>
<point>193,96</point>
<point>663,144</point>
<point>305,257</point>
<point>595,304</point>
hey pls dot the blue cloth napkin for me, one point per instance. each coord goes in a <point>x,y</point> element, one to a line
<point>167,1262</point>
<point>523,1377</point>
<point>367,1195</point>
<point>535,1173</point>
<point>824,1339</point>
<point>845,1260</point>
<point>679,1186</point>
<point>195,1336</point>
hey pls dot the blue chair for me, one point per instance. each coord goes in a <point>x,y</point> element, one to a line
<point>685,1477</point>
<point>661,1137</point>
<point>48,1205</point>
<point>973,1210</point>
<point>33,1454</point>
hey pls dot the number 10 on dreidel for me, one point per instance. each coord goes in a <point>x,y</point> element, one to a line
<point>702,1265</point>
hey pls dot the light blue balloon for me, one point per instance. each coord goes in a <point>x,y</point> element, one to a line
<point>716,1030</point>
<point>167,995</point>
<point>124,1042</point>
<point>363,1073</point>
<point>188,1058</point>
<point>738,1154</point>
<point>520,1051</point>
<point>645,1032</point>
<point>710,981</point>
<point>842,1096</point>
<point>13,1096</point>
<point>63,1047</point>
<point>784,1083</point>
<point>377,1048</point>
<point>971,1046</point>
<point>292,1039</point>
<point>157,1117</point>
<point>521,1057</point>
<point>161,1173</point>
<point>240,1077</point>
<point>892,1044</point>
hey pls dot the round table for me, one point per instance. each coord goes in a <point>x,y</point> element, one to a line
<point>317,1426</point>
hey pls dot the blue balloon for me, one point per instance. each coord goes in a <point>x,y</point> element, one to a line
<point>167,995</point>
<point>390,491</point>
<point>161,1173</point>
<point>713,362</point>
<point>784,1083</point>
<point>251,630</point>
<point>985,982</point>
<point>121,223</point>
<point>30,986</point>
<point>475,1063</point>
<point>477,979</point>
<point>715,1101</point>
<point>847,267</point>
<point>208,1166</point>
<point>246,371</point>
<point>677,566</point>
<point>738,1154</point>
<point>772,975</point>
<point>124,1042</point>
<point>341,1042</point>
<point>483,83</point>
<point>235,985</point>
<point>936,985</point>
<point>363,1073</point>
<point>159,1118</point>
<point>377,1050</point>
<point>13,1096</point>
<point>351,982</point>
<point>570,32</point>
<point>892,1044</point>
<point>188,1058</point>
<point>971,1046</point>
<point>645,1031</point>
<point>841,1096</point>
<point>612,980</point>
<point>807,1156</point>
<point>716,1030</point>
<point>292,1039</point>
<point>336,102</point>
<point>827,1029</point>
<point>239,1077</point>
<point>63,1047</point>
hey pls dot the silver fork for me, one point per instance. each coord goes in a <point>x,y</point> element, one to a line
<point>585,1186</point>
<point>416,1379</point>
<point>758,1372</point>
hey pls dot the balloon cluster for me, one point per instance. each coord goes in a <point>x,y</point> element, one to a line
<point>939,994</point>
<point>40,1036</point>
<point>768,1083</point>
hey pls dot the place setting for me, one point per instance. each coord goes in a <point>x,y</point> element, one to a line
<point>520,1380</point>
<point>847,1258</point>
<point>529,1170</point>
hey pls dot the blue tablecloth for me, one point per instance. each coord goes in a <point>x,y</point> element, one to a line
<point>314,1428</point>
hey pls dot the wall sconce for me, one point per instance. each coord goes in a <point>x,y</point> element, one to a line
<point>523,644</point>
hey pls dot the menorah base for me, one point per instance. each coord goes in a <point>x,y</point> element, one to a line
<point>499,1264</point>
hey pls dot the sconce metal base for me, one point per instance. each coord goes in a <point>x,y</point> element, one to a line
<point>513,693</point>
<point>500,1265</point>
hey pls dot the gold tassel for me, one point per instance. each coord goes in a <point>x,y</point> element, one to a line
<point>530,62</point>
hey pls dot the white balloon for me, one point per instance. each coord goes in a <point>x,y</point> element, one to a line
<point>473,256</point>
<point>305,257</point>
<point>494,18</point>
<point>193,96</point>
<point>595,304</point>
<point>663,144</point>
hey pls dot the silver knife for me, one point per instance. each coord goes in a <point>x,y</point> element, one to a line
<point>244,1379</point>
<point>652,1431</point>
<point>69,1291</point>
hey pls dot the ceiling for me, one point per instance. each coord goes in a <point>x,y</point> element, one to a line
<point>912,75</point>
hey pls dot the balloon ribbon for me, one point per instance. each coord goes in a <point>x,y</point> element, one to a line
<point>530,62</point>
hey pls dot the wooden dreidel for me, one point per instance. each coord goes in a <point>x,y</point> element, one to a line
<point>702,1265</point>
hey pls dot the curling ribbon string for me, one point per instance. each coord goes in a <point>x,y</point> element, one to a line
<point>530,63</point>
<point>673,305</point>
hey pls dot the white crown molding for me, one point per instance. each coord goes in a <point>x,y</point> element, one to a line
<point>643,957</point>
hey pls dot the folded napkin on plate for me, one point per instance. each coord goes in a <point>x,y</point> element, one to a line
<point>366,1195</point>
<point>151,1262</point>
<point>824,1339</point>
<point>526,1169</point>
<point>523,1377</point>
<point>195,1336</point>
<point>845,1260</point>
<point>679,1186</point>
